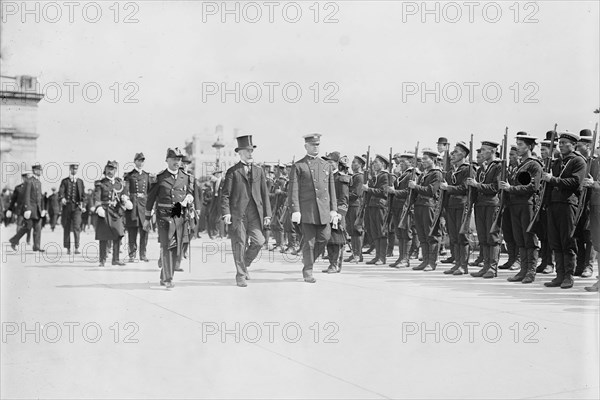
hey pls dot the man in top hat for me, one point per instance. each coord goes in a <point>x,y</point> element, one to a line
<point>592,182</point>
<point>32,209</point>
<point>172,194</point>
<point>138,182</point>
<point>520,196</point>
<point>426,193</point>
<point>312,202</point>
<point>456,189</point>
<point>583,236</point>
<point>486,209</point>
<point>546,265</point>
<point>513,262</point>
<point>568,173</point>
<point>217,227</point>
<point>246,208</point>
<point>377,190</point>
<point>53,208</point>
<point>399,192</point>
<point>71,194</point>
<point>111,199</point>
<point>443,147</point>
<point>337,241</point>
<point>355,197</point>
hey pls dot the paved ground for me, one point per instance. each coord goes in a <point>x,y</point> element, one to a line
<point>73,330</point>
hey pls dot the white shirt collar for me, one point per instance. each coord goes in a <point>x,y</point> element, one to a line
<point>172,172</point>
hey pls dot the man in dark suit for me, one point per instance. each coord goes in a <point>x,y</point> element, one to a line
<point>71,194</point>
<point>33,210</point>
<point>313,202</point>
<point>15,206</point>
<point>53,208</point>
<point>138,182</point>
<point>171,193</point>
<point>245,206</point>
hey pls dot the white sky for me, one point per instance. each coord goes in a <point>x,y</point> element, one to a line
<point>368,54</point>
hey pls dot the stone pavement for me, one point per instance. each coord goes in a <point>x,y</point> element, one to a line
<point>73,330</point>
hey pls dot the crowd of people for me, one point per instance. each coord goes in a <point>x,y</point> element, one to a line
<point>537,199</point>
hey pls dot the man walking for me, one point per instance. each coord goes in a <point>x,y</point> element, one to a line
<point>71,194</point>
<point>138,183</point>
<point>245,206</point>
<point>33,210</point>
<point>313,202</point>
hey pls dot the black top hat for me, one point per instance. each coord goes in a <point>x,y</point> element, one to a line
<point>139,156</point>
<point>585,136</point>
<point>244,142</point>
<point>549,135</point>
<point>442,140</point>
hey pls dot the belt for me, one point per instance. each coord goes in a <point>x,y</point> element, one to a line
<point>163,205</point>
<point>139,194</point>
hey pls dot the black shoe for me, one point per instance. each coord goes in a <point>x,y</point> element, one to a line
<point>593,288</point>
<point>529,278</point>
<point>332,270</point>
<point>490,274</point>
<point>169,285</point>
<point>556,282</point>
<point>578,272</point>
<point>449,260</point>
<point>349,259</point>
<point>451,270</point>
<point>506,265</point>
<point>395,263</point>
<point>77,251</point>
<point>247,276</point>
<point>420,267</point>
<point>430,267</point>
<point>540,268</point>
<point>567,283</point>
<point>461,271</point>
<point>241,282</point>
<point>479,273</point>
<point>178,269</point>
<point>39,250</point>
<point>373,261</point>
<point>144,259</point>
<point>13,246</point>
<point>101,264</point>
<point>118,263</point>
<point>310,279</point>
<point>68,252</point>
<point>162,283</point>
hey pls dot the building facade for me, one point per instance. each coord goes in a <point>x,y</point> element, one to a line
<point>19,99</point>
<point>206,147</point>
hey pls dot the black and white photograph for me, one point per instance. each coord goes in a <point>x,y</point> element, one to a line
<point>310,199</point>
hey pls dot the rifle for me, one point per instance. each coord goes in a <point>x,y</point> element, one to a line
<point>390,196</point>
<point>465,221</point>
<point>497,224</point>
<point>360,219</point>
<point>437,213</point>
<point>403,224</point>
<point>547,169</point>
<point>584,191</point>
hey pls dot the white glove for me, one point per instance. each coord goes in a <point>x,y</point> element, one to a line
<point>27,214</point>
<point>227,219</point>
<point>296,217</point>
<point>43,213</point>
<point>124,198</point>
<point>128,205</point>
<point>8,214</point>
<point>333,215</point>
<point>100,211</point>
<point>64,202</point>
<point>187,200</point>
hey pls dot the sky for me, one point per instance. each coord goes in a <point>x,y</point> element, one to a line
<point>372,61</point>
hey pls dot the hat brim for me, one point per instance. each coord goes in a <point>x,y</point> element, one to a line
<point>244,148</point>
